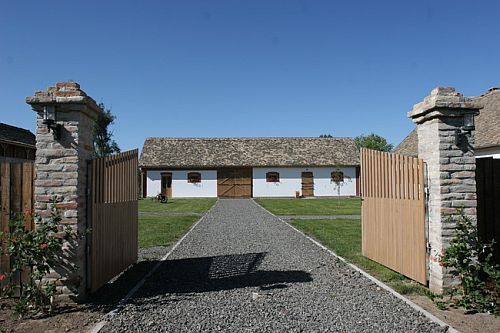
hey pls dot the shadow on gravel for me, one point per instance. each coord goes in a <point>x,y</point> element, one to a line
<point>108,296</point>
<point>198,275</point>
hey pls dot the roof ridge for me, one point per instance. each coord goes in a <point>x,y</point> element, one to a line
<point>250,138</point>
<point>15,127</point>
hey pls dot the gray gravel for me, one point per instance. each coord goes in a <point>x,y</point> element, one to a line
<point>243,270</point>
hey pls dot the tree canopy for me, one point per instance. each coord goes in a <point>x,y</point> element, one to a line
<point>372,141</point>
<point>104,145</point>
<point>326,136</point>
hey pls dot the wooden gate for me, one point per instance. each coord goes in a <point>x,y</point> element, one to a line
<point>16,198</point>
<point>307,184</point>
<point>112,216</point>
<point>234,183</point>
<point>488,201</point>
<point>393,212</point>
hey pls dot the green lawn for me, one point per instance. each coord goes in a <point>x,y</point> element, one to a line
<point>344,238</point>
<point>330,206</point>
<point>163,230</point>
<point>198,205</point>
<point>157,230</point>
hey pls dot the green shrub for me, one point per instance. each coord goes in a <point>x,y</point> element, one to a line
<point>472,261</point>
<point>33,252</point>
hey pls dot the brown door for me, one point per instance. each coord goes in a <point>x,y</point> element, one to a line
<point>307,184</point>
<point>166,184</point>
<point>234,183</point>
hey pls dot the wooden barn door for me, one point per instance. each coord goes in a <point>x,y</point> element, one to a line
<point>166,184</point>
<point>307,184</point>
<point>234,183</point>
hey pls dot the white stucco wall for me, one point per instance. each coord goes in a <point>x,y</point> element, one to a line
<point>495,153</point>
<point>291,181</point>
<point>180,186</point>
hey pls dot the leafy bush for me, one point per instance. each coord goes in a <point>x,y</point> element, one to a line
<point>33,252</point>
<point>472,261</point>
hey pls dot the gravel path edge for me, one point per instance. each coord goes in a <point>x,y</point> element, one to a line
<point>98,326</point>
<point>382,285</point>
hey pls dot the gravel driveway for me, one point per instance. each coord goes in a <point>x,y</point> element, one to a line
<point>243,270</point>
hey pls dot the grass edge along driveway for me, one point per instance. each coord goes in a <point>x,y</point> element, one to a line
<point>157,230</point>
<point>316,206</point>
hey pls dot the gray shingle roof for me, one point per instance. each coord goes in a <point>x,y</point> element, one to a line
<point>488,121</point>
<point>248,152</point>
<point>487,126</point>
<point>14,134</point>
<point>409,146</point>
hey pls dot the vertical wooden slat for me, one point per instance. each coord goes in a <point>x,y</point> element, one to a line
<point>27,197</point>
<point>5,211</point>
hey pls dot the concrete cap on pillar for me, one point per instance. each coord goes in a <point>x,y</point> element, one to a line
<point>63,93</point>
<point>443,102</point>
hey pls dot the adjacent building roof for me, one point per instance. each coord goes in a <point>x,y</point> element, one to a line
<point>16,135</point>
<point>409,146</point>
<point>247,152</point>
<point>487,124</point>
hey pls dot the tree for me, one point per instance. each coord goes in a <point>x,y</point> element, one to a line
<point>104,145</point>
<point>372,141</point>
<point>326,136</point>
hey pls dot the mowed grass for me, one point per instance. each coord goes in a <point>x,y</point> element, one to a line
<point>157,230</point>
<point>344,238</point>
<point>198,205</point>
<point>330,206</point>
<point>163,230</point>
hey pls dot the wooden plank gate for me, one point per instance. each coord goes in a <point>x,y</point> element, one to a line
<point>112,185</point>
<point>16,198</point>
<point>393,212</point>
<point>234,183</point>
<point>488,201</point>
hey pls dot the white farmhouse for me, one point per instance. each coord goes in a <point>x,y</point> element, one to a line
<point>249,167</point>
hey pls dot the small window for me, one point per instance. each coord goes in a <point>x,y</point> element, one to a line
<point>272,177</point>
<point>194,177</point>
<point>337,176</point>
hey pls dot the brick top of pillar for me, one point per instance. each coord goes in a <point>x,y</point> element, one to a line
<point>62,93</point>
<point>443,102</point>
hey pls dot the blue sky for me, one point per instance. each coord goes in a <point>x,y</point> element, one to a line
<point>248,68</point>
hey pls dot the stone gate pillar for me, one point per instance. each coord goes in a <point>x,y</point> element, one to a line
<point>450,169</point>
<point>61,170</point>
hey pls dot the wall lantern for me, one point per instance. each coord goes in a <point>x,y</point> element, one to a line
<point>49,119</point>
<point>467,128</point>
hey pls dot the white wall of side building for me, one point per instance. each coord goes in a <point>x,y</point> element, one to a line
<point>493,152</point>
<point>207,188</point>
<point>291,181</point>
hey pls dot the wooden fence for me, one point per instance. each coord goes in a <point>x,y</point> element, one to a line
<point>112,216</point>
<point>16,200</point>
<point>393,212</point>
<point>488,201</point>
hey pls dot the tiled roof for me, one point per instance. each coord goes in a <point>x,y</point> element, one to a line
<point>14,134</point>
<point>487,126</point>
<point>248,152</point>
<point>409,146</point>
<point>488,121</point>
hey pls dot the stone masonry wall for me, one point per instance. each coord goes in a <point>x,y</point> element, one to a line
<point>450,172</point>
<point>61,170</point>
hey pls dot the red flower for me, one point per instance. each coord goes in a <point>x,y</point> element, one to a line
<point>43,246</point>
<point>2,277</point>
